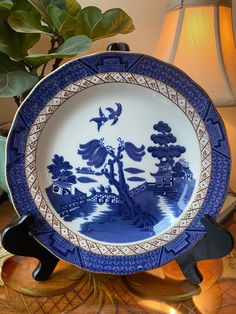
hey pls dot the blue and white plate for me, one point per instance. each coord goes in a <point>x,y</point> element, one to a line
<point>117,156</point>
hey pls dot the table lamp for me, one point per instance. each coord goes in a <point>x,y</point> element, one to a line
<point>198,38</point>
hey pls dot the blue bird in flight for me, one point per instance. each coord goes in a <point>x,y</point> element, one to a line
<point>114,114</point>
<point>101,120</point>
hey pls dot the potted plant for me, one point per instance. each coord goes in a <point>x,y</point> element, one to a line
<point>69,29</point>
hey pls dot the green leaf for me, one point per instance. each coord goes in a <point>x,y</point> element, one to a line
<point>15,83</point>
<point>27,22</point>
<point>96,25</point>
<point>22,5</point>
<point>65,21</point>
<point>74,45</point>
<point>24,42</point>
<point>71,47</point>
<point>58,3</point>
<point>42,5</point>
<point>12,43</point>
<point>114,21</point>
<point>72,7</point>
<point>5,8</point>
<point>57,16</point>
<point>61,21</point>
<point>14,79</point>
<point>8,65</point>
<point>6,4</point>
<point>88,18</point>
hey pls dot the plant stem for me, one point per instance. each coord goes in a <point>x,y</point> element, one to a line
<point>43,69</point>
<point>56,63</point>
<point>17,100</point>
<point>53,42</point>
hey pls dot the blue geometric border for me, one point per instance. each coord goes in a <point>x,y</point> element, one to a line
<point>116,62</point>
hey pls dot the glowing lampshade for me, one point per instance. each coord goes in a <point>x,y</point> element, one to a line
<point>198,38</point>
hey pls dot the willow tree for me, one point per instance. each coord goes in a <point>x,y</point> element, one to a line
<point>109,161</point>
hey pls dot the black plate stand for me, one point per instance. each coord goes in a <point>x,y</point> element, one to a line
<point>16,239</point>
<point>217,242</point>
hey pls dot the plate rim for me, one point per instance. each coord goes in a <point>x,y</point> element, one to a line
<point>126,54</point>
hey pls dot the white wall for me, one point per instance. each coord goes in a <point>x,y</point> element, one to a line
<point>147,15</point>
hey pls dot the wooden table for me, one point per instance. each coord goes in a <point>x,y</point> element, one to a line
<point>71,290</point>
